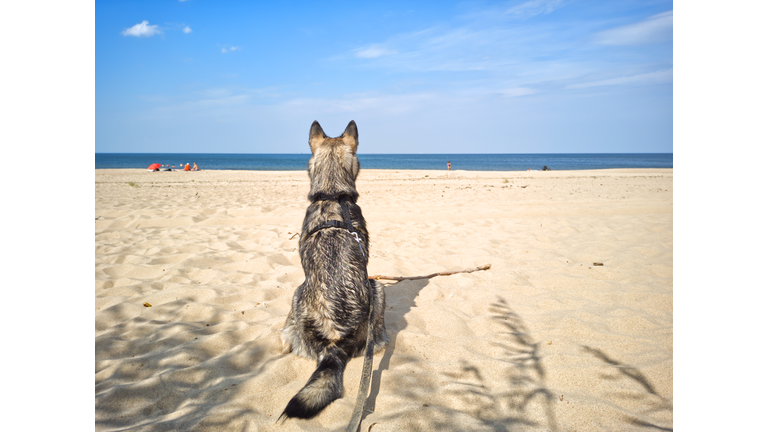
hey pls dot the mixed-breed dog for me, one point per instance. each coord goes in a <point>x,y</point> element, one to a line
<point>337,313</point>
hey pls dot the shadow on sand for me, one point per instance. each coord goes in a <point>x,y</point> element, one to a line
<point>640,390</point>
<point>525,401</point>
<point>404,290</point>
<point>518,398</point>
<point>185,375</point>
<point>163,375</point>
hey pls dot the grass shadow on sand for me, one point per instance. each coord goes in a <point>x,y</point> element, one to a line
<point>638,388</point>
<point>526,402</point>
<point>472,398</point>
<point>161,374</point>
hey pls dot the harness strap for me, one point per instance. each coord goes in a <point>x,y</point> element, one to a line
<point>343,201</point>
<point>328,224</point>
<point>345,213</point>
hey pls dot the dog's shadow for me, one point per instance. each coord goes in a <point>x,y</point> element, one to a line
<point>401,297</point>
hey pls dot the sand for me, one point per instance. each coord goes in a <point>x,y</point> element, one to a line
<point>546,339</point>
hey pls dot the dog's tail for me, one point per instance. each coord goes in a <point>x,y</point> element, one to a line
<point>324,386</point>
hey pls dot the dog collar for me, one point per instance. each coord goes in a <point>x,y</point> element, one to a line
<point>320,196</point>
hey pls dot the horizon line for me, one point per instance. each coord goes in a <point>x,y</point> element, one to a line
<point>305,153</point>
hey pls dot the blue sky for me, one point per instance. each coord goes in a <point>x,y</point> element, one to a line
<point>534,76</point>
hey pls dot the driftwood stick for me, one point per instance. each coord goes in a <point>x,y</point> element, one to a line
<point>402,278</point>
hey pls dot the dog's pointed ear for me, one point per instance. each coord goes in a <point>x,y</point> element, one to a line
<point>316,136</point>
<point>350,136</point>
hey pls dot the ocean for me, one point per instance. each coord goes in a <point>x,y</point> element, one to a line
<point>471,162</point>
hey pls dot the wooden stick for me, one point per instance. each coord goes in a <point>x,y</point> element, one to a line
<point>402,278</point>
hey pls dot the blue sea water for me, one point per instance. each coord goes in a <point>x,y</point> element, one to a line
<point>471,162</point>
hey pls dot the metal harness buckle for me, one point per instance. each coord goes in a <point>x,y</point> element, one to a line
<point>359,241</point>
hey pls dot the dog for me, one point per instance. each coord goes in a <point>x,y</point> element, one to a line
<point>332,310</point>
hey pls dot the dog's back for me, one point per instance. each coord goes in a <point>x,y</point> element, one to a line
<point>329,314</point>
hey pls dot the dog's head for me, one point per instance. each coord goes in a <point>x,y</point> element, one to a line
<point>333,166</point>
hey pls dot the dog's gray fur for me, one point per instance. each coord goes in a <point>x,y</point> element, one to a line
<point>328,321</point>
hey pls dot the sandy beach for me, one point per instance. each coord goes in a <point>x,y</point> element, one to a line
<point>569,330</point>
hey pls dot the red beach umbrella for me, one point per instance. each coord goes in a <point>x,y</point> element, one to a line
<point>153,167</point>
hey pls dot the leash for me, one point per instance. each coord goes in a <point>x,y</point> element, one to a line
<point>365,379</point>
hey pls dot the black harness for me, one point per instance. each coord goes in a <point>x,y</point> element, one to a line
<point>343,201</point>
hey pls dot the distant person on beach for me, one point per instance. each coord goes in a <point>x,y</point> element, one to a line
<point>449,165</point>
<point>195,168</point>
<point>186,167</point>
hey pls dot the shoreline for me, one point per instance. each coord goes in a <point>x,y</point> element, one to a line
<point>389,173</point>
<point>404,169</point>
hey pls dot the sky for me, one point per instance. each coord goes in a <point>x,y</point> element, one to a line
<point>539,76</point>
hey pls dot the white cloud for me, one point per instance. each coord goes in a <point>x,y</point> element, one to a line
<point>658,77</point>
<point>142,29</point>
<point>655,29</point>
<point>374,51</point>
<point>357,103</point>
<point>477,46</point>
<point>229,48</point>
<point>517,91</point>
<point>439,48</point>
<point>224,101</point>
<point>533,8</point>
<point>187,30</point>
<point>511,61</point>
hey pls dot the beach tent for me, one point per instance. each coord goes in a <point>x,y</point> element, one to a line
<point>153,167</point>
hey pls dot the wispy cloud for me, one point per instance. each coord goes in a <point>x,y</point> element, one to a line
<point>658,77</point>
<point>228,48</point>
<point>374,51</point>
<point>655,29</point>
<point>513,60</point>
<point>187,29</point>
<point>142,29</point>
<point>216,97</point>
<point>224,101</point>
<point>447,49</point>
<point>484,40</point>
<point>533,8</point>
<point>359,103</point>
<point>517,91</point>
